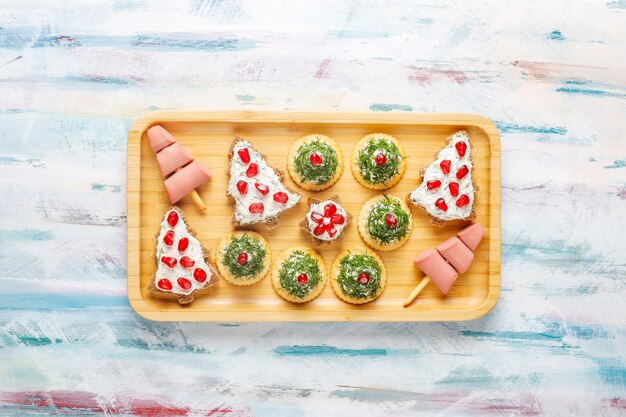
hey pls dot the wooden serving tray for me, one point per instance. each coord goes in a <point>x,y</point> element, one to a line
<point>209,134</point>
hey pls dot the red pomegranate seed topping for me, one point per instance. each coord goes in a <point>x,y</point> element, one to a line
<point>183,244</point>
<point>320,229</point>
<point>431,185</point>
<point>172,218</point>
<point>462,201</point>
<point>441,204</point>
<point>330,229</point>
<point>316,159</point>
<point>281,197</point>
<point>391,220</point>
<point>445,166</point>
<point>263,189</point>
<point>330,209</point>
<point>317,217</point>
<point>303,279</point>
<point>184,283</point>
<point>337,219</point>
<point>380,159</point>
<point>462,172</point>
<point>168,239</point>
<point>364,278</point>
<point>256,208</point>
<point>252,170</point>
<point>199,275</point>
<point>454,189</point>
<point>165,284</point>
<point>242,259</point>
<point>242,186</point>
<point>187,262</point>
<point>461,147</point>
<point>244,154</point>
<point>169,261</point>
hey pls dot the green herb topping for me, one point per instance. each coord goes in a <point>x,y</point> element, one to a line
<point>255,260</point>
<point>377,223</point>
<point>370,170</point>
<point>294,266</point>
<point>317,173</point>
<point>353,266</point>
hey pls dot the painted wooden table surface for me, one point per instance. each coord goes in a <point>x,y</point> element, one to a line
<point>75,74</point>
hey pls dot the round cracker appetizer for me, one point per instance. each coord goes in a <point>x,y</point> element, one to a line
<point>385,222</point>
<point>315,162</point>
<point>243,257</point>
<point>299,275</point>
<point>378,161</point>
<point>358,276</point>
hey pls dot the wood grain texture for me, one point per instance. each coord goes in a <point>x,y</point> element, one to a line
<point>74,75</point>
<point>208,136</point>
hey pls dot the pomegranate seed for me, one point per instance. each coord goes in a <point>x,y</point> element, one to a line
<point>303,279</point>
<point>364,278</point>
<point>330,229</point>
<point>165,284</point>
<point>316,159</point>
<point>281,197</point>
<point>244,154</point>
<point>461,147</point>
<point>431,185</point>
<point>252,170</point>
<point>454,189</point>
<point>172,218</point>
<point>186,262</point>
<point>168,239</point>
<point>199,275</point>
<point>391,220</point>
<point>317,217</point>
<point>330,209</point>
<point>337,219</point>
<point>462,201</point>
<point>242,259</point>
<point>462,172</point>
<point>320,229</point>
<point>169,261</point>
<point>242,186</point>
<point>380,159</point>
<point>445,166</point>
<point>183,244</point>
<point>263,189</point>
<point>184,283</point>
<point>441,204</point>
<point>256,208</point>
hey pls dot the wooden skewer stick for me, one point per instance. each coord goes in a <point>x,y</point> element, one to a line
<point>424,282</point>
<point>196,199</point>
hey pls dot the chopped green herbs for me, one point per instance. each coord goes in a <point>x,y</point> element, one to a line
<point>377,224</point>
<point>256,256</point>
<point>298,263</point>
<point>319,174</point>
<point>374,173</point>
<point>350,267</point>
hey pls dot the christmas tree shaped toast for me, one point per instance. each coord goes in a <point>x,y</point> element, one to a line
<point>447,188</point>
<point>182,263</point>
<point>258,191</point>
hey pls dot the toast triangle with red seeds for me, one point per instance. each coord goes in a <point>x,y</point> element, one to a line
<point>256,188</point>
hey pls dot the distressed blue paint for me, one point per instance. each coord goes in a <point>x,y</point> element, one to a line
<point>10,160</point>
<point>25,235</point>
<point>245,97</point>
<point>322,350</point>
<point>618,163</point>
<point>390,107</point>
<point>510,335</point>
<point>106,187</point>
<point>616,4</point>
<point>505,127</point>
<point>612,371</point>
<point>590,92</point>
<point>42,301</point>
<point>555,35</point>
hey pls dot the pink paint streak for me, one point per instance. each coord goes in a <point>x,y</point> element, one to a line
<point>322,71</point>
<point>430,75</point>
<point>621,193</point>
<point>524,405</point>
<point>616,403</point>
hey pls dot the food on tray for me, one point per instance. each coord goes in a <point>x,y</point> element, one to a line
<point>315,162</point>
<point>182,174</point>
<point>457,251</point>
<point>358,276</point>
<point>182,263</point>
<point>257,188</point>
<point>325,220</point>
<point>447,189</point>
<point>378,161</point>
<point>299,275</point>
<point>385,222</point>
<point>243,257</point>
